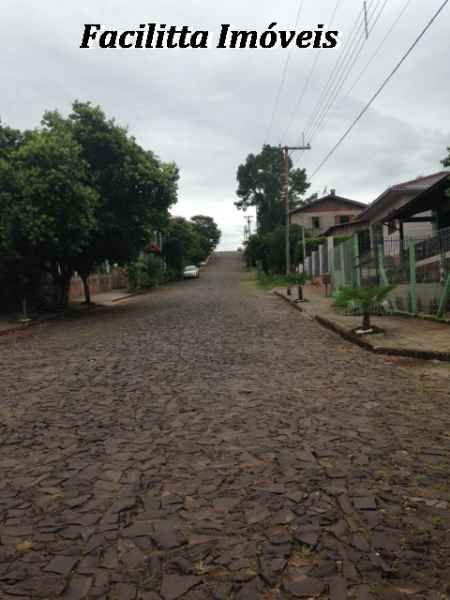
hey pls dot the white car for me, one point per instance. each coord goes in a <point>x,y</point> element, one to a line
<point>191,272</point>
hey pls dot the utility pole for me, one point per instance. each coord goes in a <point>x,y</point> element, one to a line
<point>285,150</point>
<point>247,228</point>
<point>366,21</point>
<point>249,225</point>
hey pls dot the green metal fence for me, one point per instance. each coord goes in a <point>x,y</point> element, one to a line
<point>419,269</point>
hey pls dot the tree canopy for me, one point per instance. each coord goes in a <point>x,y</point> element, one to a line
<point>208,232</point>
<point>261,182</point>
<point>78,191</point>
<point>47,204</point>
<point>189,241</point>
<point>269,248</point>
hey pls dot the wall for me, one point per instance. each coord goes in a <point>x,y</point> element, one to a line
<point>98,283</point>
<point>327,219</point>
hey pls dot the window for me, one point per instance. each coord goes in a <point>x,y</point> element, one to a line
<point>315,221</point>
<point>344,219</point>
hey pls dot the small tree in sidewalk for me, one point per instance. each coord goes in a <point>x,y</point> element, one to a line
<point>363,300</point>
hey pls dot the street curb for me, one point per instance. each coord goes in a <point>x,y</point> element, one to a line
<point>132,295</point>
<point>22,327</point>
<point>141,293</point>
<point>351,337</point>
<point>44,320</point>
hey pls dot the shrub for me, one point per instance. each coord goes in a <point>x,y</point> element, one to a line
<point>145,272</point>
<point>365,300</point>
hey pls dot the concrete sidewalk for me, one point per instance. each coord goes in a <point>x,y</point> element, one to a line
<point>106,298</point>
<point>403,335</point>
<point>10,324</point>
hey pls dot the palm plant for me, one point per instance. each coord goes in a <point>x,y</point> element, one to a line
<point>362,299</point>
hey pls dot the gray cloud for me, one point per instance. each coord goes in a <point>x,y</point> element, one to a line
<point>207,109</point>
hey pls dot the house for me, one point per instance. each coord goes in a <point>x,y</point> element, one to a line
<point>330,210</point>
<point>414,209</point>
<point>403,237</point>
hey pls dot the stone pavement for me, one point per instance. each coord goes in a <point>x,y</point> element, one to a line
<point>205,441</point>
<point>414,335</point>
<point>9,323</point>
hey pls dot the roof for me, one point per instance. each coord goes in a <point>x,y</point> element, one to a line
<point>356,224</point>
<point>432,195</point>
<point>333,197</point>
<point>414,188</point>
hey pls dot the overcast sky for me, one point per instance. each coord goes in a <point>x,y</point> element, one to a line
<point>207,109</point>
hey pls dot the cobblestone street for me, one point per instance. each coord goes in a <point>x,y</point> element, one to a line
<point>208,441</point>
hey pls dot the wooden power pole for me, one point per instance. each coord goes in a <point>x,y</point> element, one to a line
<point>286,150</point>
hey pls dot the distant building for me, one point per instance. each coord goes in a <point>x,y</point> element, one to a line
<point>330,210</point>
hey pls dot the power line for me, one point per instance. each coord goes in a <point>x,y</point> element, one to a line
<point>337,71</point>
<point>379,47</point>
<point>283,76</point>
<point>348,46</point>
<point>320,123</point>
<point>345,72</point>
<point>309,78</point>
<point>382,87</point>
<point>328,100</point>
<point>342,81</point>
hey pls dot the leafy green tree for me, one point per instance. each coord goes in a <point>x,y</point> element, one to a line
<point>181,244</point>
<point>10,140</point>
<point>269,249</point>
<point>257,249</point>
<point>208,231</point>
<point>145,272</point>
<point>309,199</point>
<point>363,299</point>
<point>277,251</point>
<point>47,203</point>
<point>311,244</point>
<point>134,188</point>
<point>261,183</point>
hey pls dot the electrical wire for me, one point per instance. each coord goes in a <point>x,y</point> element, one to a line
<point>342,57</point>
<point>320,123</point>
<point>377,50</point>
<point>382,87</point>
<point>283,77</point>
<point>303,91</point>
<point>321,119</point>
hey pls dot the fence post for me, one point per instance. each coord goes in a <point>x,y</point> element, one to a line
<point>412,276</point>
<point>342,257</point>
<point>320,259</point>
<point>330,250</point>
<point>355,262</point>
<point>383,275</point>
<point>444,298</point>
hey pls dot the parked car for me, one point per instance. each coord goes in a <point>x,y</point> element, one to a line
<point>191,272</point>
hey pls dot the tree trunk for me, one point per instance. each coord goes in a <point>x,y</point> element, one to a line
<point>61,279</point>
<point>87,290</point>
<point>25,309</point>
<point>65,286</point>
<point>366,321</point>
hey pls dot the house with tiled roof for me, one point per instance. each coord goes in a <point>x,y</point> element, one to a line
<point>412,209</point>
<point>317,216</point>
